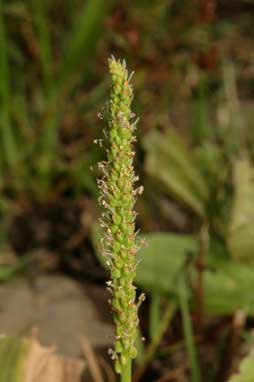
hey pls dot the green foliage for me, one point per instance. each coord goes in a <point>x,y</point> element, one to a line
<point>7,137</point>
<point>177,171</point>
<point>227,283</point>
<point>241,238</point>
<point>33,106</point>
<point>246,370</point>
<point>82,42</point>
<point>84,38</point>
<point>39,9</point>
<point>13,352</point>
<point>166,255</point>
<point>201,128</point>
<point>228,287</point>
<point>49,99</point>
<point>188,330</point>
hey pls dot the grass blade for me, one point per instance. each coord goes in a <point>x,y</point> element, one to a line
<point>40,20</point>
<point>82,43</point>
<point>8,141</point>
<point>154,314</point>
<point>84,38</point>
<point>188,332</point>
<point>150,351</point>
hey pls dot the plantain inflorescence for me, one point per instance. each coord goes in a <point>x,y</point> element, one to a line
<point>118,197</point>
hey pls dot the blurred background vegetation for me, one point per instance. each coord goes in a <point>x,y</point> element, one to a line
<point>194,87</point>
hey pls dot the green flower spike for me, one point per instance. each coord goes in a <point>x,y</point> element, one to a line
<point>118,197</point>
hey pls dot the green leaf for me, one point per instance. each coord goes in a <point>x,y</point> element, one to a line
<point>228,287</point>
<point>246,370</point>
<point>228,284</point>
<point>163,259</point>
<point>241,230</point>
<point>169,161</point>
<point>209,156</point>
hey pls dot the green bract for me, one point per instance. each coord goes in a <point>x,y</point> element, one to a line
<point>118,198</point>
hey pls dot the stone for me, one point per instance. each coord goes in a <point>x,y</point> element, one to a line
<point>58,308</point>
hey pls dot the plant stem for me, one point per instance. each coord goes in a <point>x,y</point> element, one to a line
<point>200,266</point>
<point>152,347</point>
<point>188,331</point>
<point>154,314</point>
<point>126,372</point>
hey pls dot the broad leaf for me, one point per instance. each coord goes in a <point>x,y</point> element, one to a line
<point>229,287</point>
<point>228,284</point>
<point>163,259</point>
<point>170,162</point>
